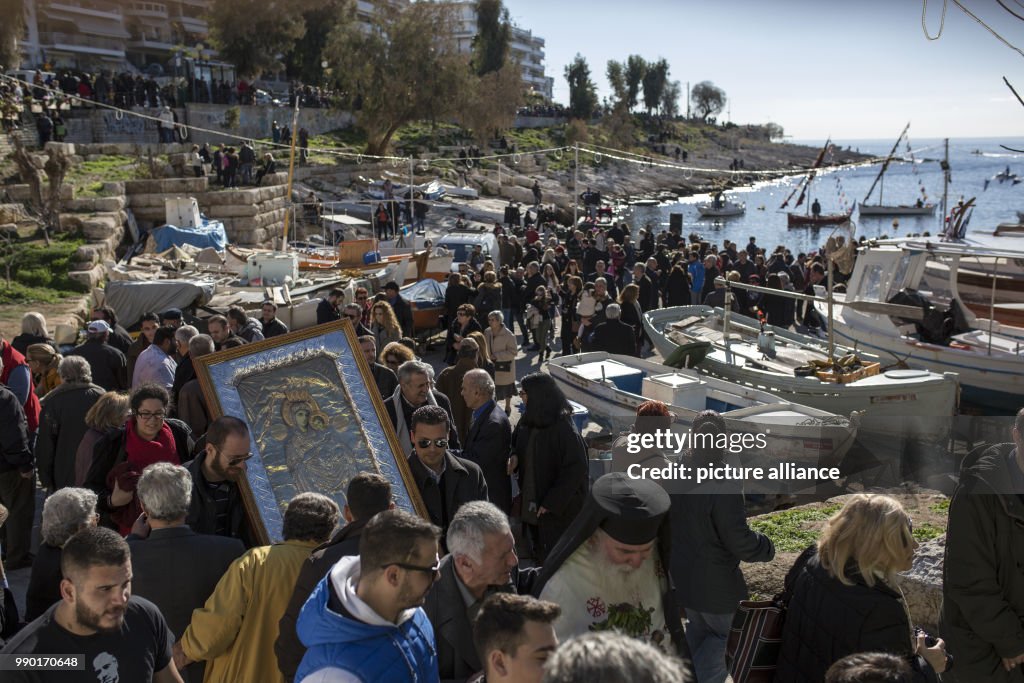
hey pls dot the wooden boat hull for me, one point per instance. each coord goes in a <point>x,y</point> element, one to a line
<point>799,220</point>
<point>897,408</point>
<point>793,433</point>
<point>896,210</point>
<point>709,211</point>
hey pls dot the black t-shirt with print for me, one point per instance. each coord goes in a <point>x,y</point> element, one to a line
<point>131,655</point>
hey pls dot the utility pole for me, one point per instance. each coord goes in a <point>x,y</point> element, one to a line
<point>575,185</point>
<point>687,100</point>
<point>945,189</point>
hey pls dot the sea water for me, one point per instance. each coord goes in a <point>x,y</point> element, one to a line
<point>972,161</point>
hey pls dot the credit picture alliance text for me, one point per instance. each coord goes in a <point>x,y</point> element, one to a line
<point>785,471</point>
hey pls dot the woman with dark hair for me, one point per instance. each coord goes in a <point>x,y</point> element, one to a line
<point>464,323</point>
<point>543,314</point>
<point>710,539</point>
<point>147,437</point>
<point>677,287</point>
<point>550,460</point>
<point>773,307</point>
<point>570,297</point>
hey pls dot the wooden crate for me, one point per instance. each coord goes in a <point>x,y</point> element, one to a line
<point>865,370</point>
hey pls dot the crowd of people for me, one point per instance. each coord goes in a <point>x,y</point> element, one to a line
<point>523,568</point>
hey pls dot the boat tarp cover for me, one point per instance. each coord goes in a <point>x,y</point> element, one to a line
<point>210,234</point>
<point>425,291</point>
<point>133,298</point>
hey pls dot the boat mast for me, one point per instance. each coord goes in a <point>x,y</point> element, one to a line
<point>291,172</point>
<point>885,166</point>
<point>945,189</point>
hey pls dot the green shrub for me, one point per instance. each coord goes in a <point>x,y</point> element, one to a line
<point>33,277</point>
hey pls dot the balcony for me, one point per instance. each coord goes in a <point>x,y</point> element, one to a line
<point>150,10</point>
<point>150,43</point>
<point>70,10</point>
<point>73,42</point>
<point>194,25</point>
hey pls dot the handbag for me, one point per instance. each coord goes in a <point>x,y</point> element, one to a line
<point>755,636</point>
<point>503,366</point>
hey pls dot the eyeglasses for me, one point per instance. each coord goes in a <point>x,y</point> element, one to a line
<point>144,415</point>
<point>438,443</point>
<point>433,571</point>
<point>239,459</point>
<point>360,298</point>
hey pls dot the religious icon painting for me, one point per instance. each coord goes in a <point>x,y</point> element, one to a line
<point>315,420</point>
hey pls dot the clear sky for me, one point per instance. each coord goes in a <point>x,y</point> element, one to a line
<point>852,69</point>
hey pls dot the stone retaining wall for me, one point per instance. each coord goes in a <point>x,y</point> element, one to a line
<point>251,215</point>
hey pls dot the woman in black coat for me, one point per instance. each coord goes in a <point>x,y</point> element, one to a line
<point>550,460</point>
<point>572,288</point>
<point>464,323</point>
<point>845,596</point>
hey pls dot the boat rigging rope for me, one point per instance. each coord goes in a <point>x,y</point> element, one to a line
<point>1003,5</point>
<point>988,28</point>
<point>924,25</point>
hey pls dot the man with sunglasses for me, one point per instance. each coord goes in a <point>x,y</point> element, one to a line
<point>444,480</point>
<point>364,620</point>
<point>216,506</point>
<point>354,315</point>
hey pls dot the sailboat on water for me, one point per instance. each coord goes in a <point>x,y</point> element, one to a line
<point>808,219</point>
<point>921,208</point>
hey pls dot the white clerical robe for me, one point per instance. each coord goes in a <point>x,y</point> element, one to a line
<point>594,596</point>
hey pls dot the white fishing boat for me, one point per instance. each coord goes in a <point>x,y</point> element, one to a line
<point>612,386</point>
<point>949,338</point>
<point>720,207</point>
<point>899,406</point>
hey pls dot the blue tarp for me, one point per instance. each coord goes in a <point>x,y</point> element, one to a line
<point>210,234</point>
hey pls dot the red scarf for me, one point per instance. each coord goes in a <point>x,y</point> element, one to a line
<point>140,453</point>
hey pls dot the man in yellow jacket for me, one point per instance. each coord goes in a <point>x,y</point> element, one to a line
<point>236,629</point>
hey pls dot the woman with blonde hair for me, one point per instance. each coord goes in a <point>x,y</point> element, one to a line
<point>503,348</point>
<point>108,413</point>
<point>483,352</point>
<point>33,331</point>
<point>43,361</point>
<point>394,354</point>
<point>845,597</point>
<point>384,324</point>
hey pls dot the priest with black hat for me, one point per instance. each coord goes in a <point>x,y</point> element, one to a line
<point>609,569</point>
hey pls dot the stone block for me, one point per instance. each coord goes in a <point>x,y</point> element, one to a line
<point>11,213</point>
<point>113,188</point>
<point>19,193</point>
<point>88,279</point>
<point>89,254</point>
<point>922,585</point>
<point>519,194</point>
<point>70,222</point>
<point>111,204</point>
<point>68,148</point>
<point>9,230</point>
<point>232,210</point>
<point>99,227</point>
<point>80,205</point>
<point>138,201</point>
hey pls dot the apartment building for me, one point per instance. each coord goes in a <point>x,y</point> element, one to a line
<point>524,47</point>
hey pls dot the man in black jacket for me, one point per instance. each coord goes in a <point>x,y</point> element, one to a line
<point>403,311</point>
<point>445,481</point>
<point>109,366</point>
<point>383,377</point>
<point>327,310</point>
<point>983,597</point>
<point>272,326</point>
<point>613,335</point>
<point>17,481</point>
<point>648,293</point>
<point>354,314</point>
<point>119,337</point>
<point>489,439</point>
<point>184,371</point>
<point>481,560</point>
<point>216,506</point>
<point>164,566</point>
<point>368,493</point>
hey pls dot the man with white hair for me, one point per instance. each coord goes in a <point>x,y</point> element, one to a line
<point>185,370</point>
<point>611,656</point>
<point>65,513</point>
<point>414,391</point>
<point>481,560</point>
<point>489,439</point>
<point>62,422</point>
<point>611,336</point>
<point>609,570</point>
<point>164,559</point>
